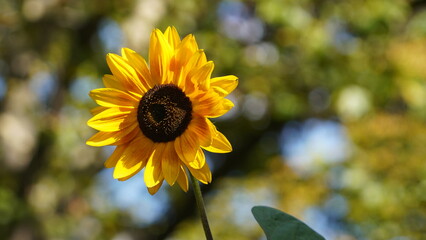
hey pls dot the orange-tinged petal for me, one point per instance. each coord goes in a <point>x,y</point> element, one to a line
<point>184,52</point>
<point>186,146</point>
<point>113,159</point>
<point>125,73</point>
<point>110,97</point>
<point>134,157</point>
<point>112,120</point>
<point>97,110</point>
<point>202,76</point>
<point>127,164</point>
<point>211,105</point>
<point>140,66</point>
<point>114,138</point>
<point>182,179</point>
<point>200,127</point>
<point>170,163</point>
<point>153,171</point>
<point>179,80</point>
<point>172,37</point>
<point>127,172</point>
<point>196,61</point>
<point>199,161</point>
<point>220,143</point>
<point>131,175</point>
<point>112,82</point>
<point>111,113</point>
<point>224,85</point>
<point>185,63</point>
<point>154,190</point>
<point>203,174</point>
<point>189,44</point>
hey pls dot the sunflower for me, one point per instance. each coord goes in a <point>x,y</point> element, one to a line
<point>157,115</point>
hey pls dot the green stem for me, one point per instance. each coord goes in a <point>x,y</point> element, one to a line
<point>201,208</point>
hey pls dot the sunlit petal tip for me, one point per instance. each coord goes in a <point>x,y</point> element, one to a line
<point>127,166</point>
<point>125,52</point>
<point>128,177</point>
<point>183,179</point>
<point>224,85</point>
<point>153,190</point>
<point>228,104</point>
<point>91,143</point>
<point>220,143</point>
<point>110,57</point>
<point>159,35</point>
<point>153,171</point>
<point>175,32</point>
<point>189,42</point>
<point>203,175</point>
<point>200,160</point>
<point>172,37</point>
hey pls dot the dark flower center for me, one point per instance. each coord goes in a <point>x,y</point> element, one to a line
<point>164,113</point>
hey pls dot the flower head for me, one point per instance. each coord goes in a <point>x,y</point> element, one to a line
<point>158,115</point>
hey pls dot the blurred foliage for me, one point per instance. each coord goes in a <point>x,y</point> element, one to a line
<point>358,64</point>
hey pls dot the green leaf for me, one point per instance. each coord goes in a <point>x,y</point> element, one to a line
<point>280,226</point>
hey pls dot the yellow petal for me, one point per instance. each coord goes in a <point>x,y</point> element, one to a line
<point>130,172</point>
<point>112,82</point>
<point>128,177</point>
<point>141,67</point>
<point>186,63</point>
<point>202,76</point>
<point>189,43</point>
<point>179,80</point>
<point>153,171</point>
<point>220,143</point>
<point>170,164</point>
<point>113,119</point>
<point>112,113</point>
<point>125,73</point>
<point>172,37</point>
<point>203,174</point>
<point>114,138</point>
<point>197,60</point>
<point>160,54</point>
<point>184,52</point>
<point>182,179</point>
<point>113,159</point>
<point>154,190</point>
<point>186,146</point>
<point>199,161</point>
<point>200,127</point>
<point>97,110</point>
<point>211,105</point>
<point>224,85</point>
<point>110,97</point>
<point>134,158</point>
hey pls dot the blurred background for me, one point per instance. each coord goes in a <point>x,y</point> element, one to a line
<point>329,123</point>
